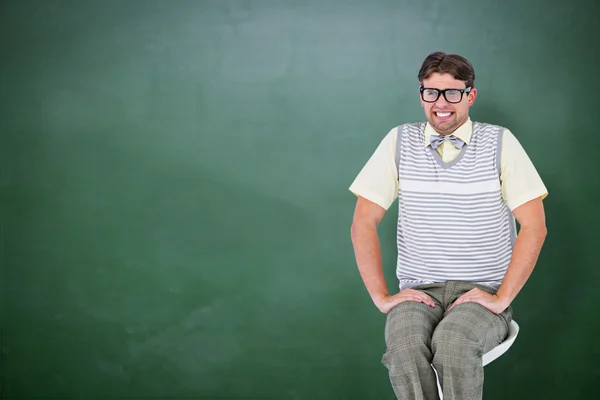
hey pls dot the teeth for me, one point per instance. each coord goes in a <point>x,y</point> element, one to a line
<point>446,114</point>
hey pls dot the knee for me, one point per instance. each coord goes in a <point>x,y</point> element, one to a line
<point>404,328</point>
<point>407,340</point>
<point>455,341</point>
<point>409,343</point>
<point>404,352</point>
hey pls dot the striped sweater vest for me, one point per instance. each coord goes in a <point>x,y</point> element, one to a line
<point>453,224</point>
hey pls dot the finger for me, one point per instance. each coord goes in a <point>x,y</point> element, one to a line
<point>469,299</point>
<point>414,295</point>
<point>427,300</point>
<point>470,296</point>
<point>456,303</point>
<point>462,299</point>
<point>430,301</point>
<point>421,298</point>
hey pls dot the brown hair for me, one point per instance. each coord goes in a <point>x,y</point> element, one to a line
<point>443,63</point>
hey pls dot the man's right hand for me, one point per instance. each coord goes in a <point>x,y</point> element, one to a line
<point>387,302</point>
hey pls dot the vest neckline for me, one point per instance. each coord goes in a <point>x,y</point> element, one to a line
<point>456,160</point>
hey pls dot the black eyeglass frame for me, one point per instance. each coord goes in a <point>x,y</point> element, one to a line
<point>440,92</point>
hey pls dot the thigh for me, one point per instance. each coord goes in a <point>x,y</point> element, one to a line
<point>411,322</point>
<point>473,323</point>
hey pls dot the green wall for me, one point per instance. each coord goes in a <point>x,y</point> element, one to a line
<point>174,204</point>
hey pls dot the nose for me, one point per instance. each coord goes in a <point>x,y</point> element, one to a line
<point>441,101</point>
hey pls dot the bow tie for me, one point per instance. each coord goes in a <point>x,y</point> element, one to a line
<point>437,140</point>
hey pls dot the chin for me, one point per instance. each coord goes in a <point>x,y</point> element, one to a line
<point>445,126</point>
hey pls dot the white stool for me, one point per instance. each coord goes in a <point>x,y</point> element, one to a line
<point>513,331</point>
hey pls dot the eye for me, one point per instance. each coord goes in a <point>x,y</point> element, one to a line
<point>453,92</point>
<point>430,92</point>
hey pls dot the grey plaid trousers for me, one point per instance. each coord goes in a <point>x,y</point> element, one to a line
<point>418,336</point>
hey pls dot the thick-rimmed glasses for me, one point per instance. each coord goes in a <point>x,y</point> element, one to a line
<point>430,95</point>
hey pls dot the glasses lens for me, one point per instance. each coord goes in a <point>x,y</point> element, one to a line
<point>453,96</point>
<point>430,95</point>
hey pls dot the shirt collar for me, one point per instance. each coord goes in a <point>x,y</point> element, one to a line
<point>463,132</point>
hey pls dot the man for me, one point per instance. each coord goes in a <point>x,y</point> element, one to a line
<point>460,185</point>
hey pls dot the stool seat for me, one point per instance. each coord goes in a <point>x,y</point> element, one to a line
<point>513,331</point>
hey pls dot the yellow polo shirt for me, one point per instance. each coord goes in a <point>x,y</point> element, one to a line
<point>378,179</point>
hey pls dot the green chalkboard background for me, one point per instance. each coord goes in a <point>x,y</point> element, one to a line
<point>175,213</point>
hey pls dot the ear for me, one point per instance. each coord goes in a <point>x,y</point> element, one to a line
<point>472,96</point>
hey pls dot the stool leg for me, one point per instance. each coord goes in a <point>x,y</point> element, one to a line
<point>437,378</point>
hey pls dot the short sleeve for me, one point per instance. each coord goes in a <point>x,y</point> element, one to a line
<point>378,179</point>
<point>520,179</point>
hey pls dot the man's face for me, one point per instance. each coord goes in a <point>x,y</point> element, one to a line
<point>445,116</point>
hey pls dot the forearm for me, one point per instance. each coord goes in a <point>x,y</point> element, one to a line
<point>525,255</point>
<point>367,251</point>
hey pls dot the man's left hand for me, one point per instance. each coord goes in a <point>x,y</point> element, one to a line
<point>489,301</point>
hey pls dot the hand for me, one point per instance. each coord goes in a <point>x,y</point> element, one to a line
<point>387,302</point>
<point>489,301</point>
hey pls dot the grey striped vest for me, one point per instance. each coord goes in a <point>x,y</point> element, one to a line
<point>452,221</point>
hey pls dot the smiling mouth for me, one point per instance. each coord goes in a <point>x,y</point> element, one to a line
<point>443,115</point>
